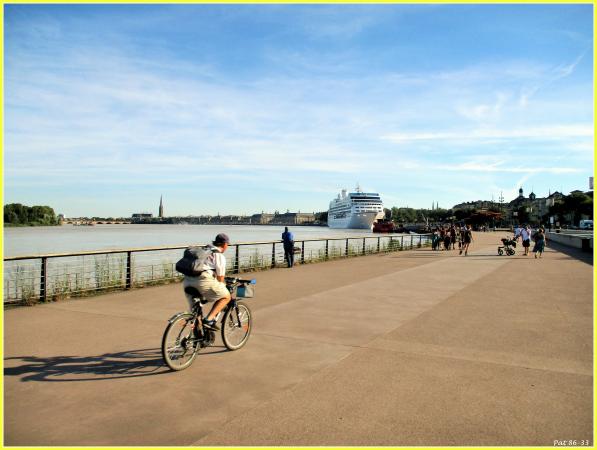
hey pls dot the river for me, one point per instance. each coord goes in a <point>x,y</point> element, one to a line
<point>71,239</point>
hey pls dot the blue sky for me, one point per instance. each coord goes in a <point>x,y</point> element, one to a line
<point>236,109</point>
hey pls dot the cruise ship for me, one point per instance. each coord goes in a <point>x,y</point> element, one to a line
<point>355,210</point>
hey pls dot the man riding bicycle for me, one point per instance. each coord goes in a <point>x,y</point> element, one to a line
<point>211,283</point>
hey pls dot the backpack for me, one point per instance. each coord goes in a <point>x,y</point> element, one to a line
<point>192,260</point>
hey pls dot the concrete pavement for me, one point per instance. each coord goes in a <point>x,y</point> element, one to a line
<point>409,348</point>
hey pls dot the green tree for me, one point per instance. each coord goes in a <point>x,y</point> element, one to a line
<point>18,214</point>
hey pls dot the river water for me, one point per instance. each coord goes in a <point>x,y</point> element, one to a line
<point>71,239</point>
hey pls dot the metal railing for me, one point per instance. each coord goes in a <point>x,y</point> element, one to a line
<point>40,278</point>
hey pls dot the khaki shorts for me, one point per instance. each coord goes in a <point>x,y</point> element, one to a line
<point>211,289</point>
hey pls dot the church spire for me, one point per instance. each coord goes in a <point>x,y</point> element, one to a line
<point>161,211</point>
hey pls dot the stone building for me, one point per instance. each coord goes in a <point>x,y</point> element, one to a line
<point>535,207</point>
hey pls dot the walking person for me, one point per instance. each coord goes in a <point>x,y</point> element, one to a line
<point>288,240</point>
<point>453,236</point>
<point>467,239</point>
<point>436,238</point>
<point>526,239</point>
<point>447,239</point>
<point>540,240</point>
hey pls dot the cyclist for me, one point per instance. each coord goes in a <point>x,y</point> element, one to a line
<point>211,283</point>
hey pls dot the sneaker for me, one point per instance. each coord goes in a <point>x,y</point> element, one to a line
<point>210,324</point>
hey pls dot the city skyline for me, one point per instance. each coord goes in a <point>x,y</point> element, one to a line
<point>247,108</point>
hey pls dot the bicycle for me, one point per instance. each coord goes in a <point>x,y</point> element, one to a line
<point>185,334</point>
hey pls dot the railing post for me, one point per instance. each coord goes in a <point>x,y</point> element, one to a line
<point>364,246</point>
<point>346,253</point>
<point>237,260</point>
<point>273,254</point>
<point>411,241</point>
<point>420,241</point>
<point>401,242</point>
<point>327,243</point>
<point>43,286</point>
<point>378,243</point>
<point>129,270</point>
<point>303,253</point>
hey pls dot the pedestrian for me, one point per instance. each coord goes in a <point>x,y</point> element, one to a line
<point>447,239</point>
<point>467,239</point>
<point>288,240</point>
<point>436,238</point>
<point>453,236</point>
<point>526,239</point>
<point>540,241</point>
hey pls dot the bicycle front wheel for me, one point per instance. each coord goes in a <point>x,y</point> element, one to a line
<point>179,344</point>
<point>236,326</point>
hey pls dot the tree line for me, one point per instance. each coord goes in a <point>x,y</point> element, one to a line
<point>568,210</point>
<point>16,214</point>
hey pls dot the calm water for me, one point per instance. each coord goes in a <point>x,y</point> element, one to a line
<point>68,238</point>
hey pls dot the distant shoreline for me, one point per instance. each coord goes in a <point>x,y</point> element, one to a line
<point>24,225</point>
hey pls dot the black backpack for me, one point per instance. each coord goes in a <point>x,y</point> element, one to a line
<point>192,260</point>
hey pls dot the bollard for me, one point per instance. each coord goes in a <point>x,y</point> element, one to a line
<point>129,270</point>
<point>43,287</point>
<point>237,260</point>
<point>273,254</point>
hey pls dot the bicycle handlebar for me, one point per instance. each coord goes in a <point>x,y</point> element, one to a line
<point>234,280</point>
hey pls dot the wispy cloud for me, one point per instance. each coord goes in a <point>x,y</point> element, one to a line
<point>547,132</point>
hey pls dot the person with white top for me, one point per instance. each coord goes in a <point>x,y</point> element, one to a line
<point>211,282</point>
<point>525,234</point>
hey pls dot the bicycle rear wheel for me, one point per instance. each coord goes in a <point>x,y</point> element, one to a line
<point>236,326</point>
<point>179,344</point>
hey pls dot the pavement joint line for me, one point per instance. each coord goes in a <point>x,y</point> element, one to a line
<point>107,315</point>
<point>587,373</point>
<point>294,338</point>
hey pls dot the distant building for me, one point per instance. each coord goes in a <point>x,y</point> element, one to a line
<point>535,207</point>
<point>261,219</point>
<point>287,218</point>
<point>142,216</point>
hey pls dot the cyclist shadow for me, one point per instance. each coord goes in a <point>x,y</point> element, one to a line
<point>109,366</point>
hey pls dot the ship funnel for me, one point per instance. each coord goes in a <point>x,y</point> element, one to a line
<point>343,193</point>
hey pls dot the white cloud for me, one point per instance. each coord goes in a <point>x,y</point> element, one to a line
<point>545,132</point>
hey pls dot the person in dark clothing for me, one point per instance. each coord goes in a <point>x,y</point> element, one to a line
<point>453,236</point>
<point>288,240</point>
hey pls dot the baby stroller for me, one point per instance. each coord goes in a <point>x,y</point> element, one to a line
<point>508,246</point>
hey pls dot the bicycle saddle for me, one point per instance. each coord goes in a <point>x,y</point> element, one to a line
<point>193,292</point>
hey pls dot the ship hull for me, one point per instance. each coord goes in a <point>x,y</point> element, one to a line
<point>360,221</point>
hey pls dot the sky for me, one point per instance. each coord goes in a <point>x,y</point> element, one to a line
<point>239,109</point>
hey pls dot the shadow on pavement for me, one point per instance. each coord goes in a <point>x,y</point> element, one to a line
<point>575,253</point>
<point>134,363</point>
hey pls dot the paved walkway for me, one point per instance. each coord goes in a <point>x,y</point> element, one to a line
<point>410,348</point>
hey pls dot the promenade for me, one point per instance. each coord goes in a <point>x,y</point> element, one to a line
<point>415,348</point>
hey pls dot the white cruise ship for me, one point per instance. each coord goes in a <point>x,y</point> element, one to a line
<point>355,210</point>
